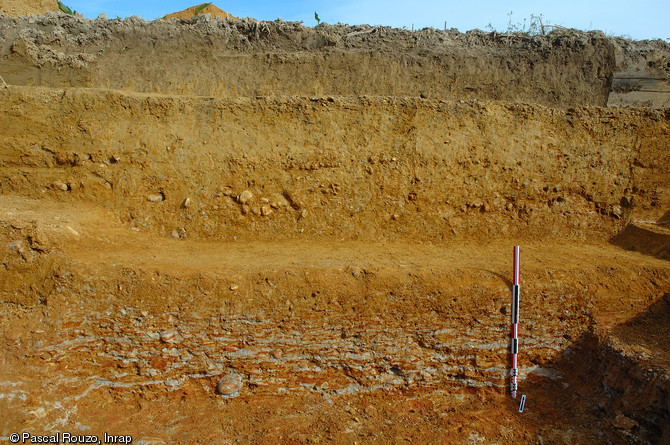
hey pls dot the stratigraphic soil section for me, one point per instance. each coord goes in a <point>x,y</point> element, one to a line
<point>228,58</point>
<point>215,55</point>
<point>232,231</point>
<point>340,168</point>
<point>642,74</point>
<point>343,340</point>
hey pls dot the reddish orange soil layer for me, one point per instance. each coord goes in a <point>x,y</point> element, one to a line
<point>340,340</point>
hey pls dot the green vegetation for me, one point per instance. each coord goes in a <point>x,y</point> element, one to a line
<point>200,8</point>
<point>318,20</point>
<point>65,9</point>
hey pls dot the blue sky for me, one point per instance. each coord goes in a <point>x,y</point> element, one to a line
<point>644,19</point>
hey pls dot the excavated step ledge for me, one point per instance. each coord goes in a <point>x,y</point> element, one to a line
<point>652,239</point>
<point>228,58</point>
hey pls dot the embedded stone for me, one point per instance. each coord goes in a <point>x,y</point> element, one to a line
<point>245,197</point>
<point>230,384</point>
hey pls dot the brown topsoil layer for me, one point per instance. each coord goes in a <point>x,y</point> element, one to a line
<point>232,58</point>
<point>223,57</point>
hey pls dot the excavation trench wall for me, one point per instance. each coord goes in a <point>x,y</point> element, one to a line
<point>353,168</point>
<point>328,213</point>
<point>226,58</point>
<point>330,318</point>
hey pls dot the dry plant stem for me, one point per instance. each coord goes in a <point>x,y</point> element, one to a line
<point>351,34</point>
<point>3,81</point>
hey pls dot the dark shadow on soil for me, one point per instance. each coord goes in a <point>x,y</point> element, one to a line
<point>615,382</point>
<point>664,220</point>
<point>505,280</point>
<point>650,329</point>
<point>652,240</point>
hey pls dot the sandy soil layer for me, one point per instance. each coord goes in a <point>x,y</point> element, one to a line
<point>338,168</point>
<point>14,8</point>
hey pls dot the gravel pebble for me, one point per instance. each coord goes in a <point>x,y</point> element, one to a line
<point>168,336</point>
<point>230,384</point>
<point>245,197</point>
<point>60,185</point>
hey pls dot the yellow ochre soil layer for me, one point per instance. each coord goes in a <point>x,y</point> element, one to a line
<point>22,8</point>
<point>338,168</point>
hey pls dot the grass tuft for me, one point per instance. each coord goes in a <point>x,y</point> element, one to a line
<point>65,9</point>
<point>200,8</point>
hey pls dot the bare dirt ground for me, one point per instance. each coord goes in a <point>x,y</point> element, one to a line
<point>257,232</point>
<point>342,341</point>
<point>201,9</point>
<point>33,7</point>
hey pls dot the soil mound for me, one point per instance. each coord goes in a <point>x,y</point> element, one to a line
<point>199,10</point>
<point>19,8</point>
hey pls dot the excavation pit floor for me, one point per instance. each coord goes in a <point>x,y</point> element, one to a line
<point>350,342</point>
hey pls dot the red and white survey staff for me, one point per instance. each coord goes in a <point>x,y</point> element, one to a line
<point>515,324</point>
